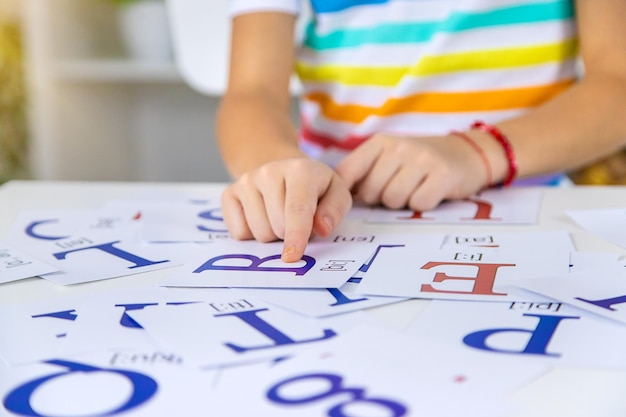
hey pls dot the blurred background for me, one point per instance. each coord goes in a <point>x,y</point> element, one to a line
<point>89,91</point>
<point>13,131</point>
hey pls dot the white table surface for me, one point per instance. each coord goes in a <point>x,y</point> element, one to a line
<point>563,392</point>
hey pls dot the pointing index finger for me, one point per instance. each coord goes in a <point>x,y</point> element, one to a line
<point>300,207</point>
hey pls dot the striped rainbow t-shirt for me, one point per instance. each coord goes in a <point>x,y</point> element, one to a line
<point>423,67</point>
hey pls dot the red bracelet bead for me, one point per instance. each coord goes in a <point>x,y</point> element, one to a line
<point>506,146</point>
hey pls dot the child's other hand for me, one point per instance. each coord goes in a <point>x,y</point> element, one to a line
<point>289,200</point>
<point>412,172</point>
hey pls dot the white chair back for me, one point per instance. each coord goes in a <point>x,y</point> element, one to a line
<point>201,39</point>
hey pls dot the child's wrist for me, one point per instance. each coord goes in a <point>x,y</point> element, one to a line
<point>478,150</point>
<point>500,152</point>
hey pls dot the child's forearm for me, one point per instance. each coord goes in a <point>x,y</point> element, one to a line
<point>253,129</point>
<point>580,126</point>
<point>586,122</point>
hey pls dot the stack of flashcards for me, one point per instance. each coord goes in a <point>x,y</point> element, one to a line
<point>232,330</point>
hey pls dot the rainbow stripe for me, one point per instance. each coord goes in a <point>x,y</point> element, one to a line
<point>437,64</point>
<point>411,32</point>
<point>440,102</point>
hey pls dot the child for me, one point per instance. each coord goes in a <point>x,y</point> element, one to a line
<point>406,103</point>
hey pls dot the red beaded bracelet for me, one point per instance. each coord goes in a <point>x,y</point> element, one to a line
<point>506,146</point>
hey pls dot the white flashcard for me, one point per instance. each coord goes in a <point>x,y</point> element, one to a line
<point>36,227</point>
<point>512,241</point>
<point>16,265</point>
<point>358,212</point>
<point>90,245</point>
<point>328,301</point>
<point>609,224</point>
<point>114,219</point>
<point>104,318</point>
<point>327,263</point>
<point>461,273</point>
<point>582,261</point>
<point>449,367</point>
<point>321,302</point>
<point>160,195</point>
<point>183,222</point>
<point>369,374</point>
<point>515,205</point>
<point>98,385</point>
<point>40,330</point>
<point>547,332</point>
<point>601,291</point>
<point>84,259</point>
<point>232,330</point>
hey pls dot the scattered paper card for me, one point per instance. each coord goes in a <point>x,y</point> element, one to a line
<point>85,246</point>
<point>325,302</point>
<point>581,261</point>
<point>40,330</point>
<point>365,370</point>
<point>609,224</point>
<point>327,263</point>
<point>34,227</point>
<point>329,301</point>
<point>96,385</point>
<point>548,332</point>
<point>83,259</point>
<point>182,222</point>
<point>104,317</point>
<point>230,330</point>
<point>601,291</point>
<point>512,241</point>
<point>515,205</point>
<point>16,265</point>
<point>462,272</point>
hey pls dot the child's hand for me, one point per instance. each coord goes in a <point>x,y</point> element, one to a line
<point>413,172</point>
<point>287,199</point>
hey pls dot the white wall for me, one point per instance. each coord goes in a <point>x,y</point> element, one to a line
<point>99,114</point>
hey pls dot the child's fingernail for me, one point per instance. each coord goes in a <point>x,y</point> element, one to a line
<point>287,252</point>
<point>329,223</point>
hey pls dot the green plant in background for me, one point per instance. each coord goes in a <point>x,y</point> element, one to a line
<point>13,133</point>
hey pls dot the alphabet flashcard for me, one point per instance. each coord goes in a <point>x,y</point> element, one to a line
<point>39,330</point>
<point>600,291</point>
<point>517,205</point>
<point>548,332</point>
<point>16,265</point>
<point>320,302</point>
<point>128,384</point>
<point>368,371</point>
<point>189,221</point>
<point>233,330</point>
<point>466,272</point>
<point>609,224</point>
<point>327,263</point>
<point>83,253</point>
